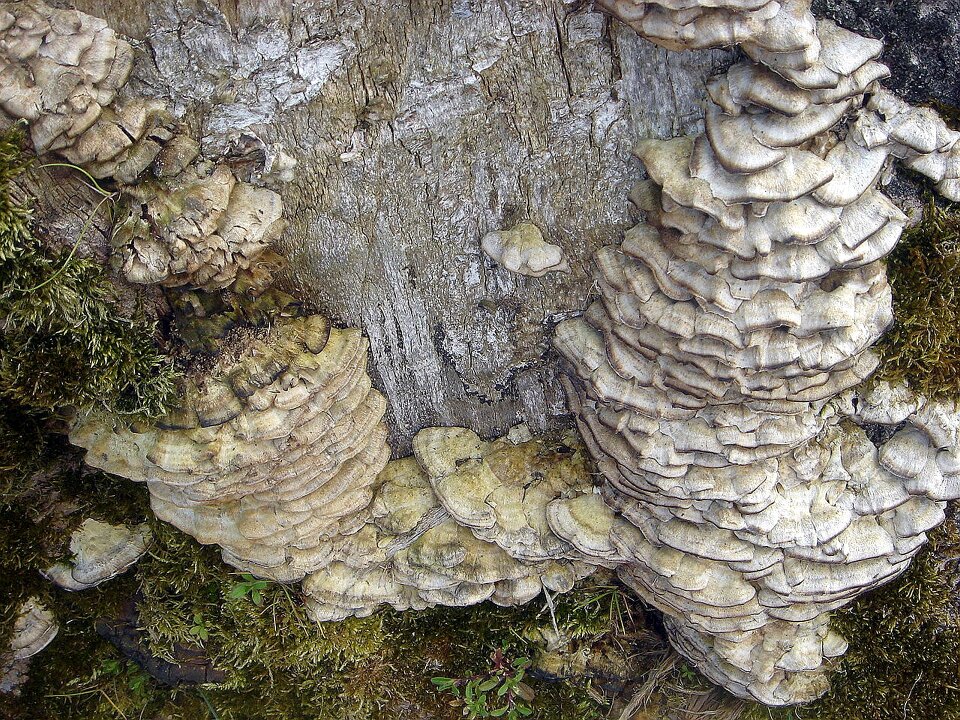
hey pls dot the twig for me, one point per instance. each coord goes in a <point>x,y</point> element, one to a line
<point>553,616</point>
<point>909,694</point>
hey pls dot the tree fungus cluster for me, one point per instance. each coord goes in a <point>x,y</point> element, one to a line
<point>269,457</point>
<point>195,223</point>
<point>461,522</point>
<point>62,71</point>
<point>713,380</point>
<point>704,377</point>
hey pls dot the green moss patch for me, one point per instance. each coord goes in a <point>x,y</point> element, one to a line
<point>280,664</point>
<point>923,346</point>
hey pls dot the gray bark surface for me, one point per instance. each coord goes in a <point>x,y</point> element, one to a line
<point>417,128</point>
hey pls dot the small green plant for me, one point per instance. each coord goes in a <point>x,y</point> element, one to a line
<point>199,628</point>
<point>125,673</point>
<point>497,693</point>
<point>250,587</point>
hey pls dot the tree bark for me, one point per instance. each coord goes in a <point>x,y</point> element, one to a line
<point>417,128</point>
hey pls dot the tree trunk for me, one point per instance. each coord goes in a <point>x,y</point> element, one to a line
<point>416,129</point>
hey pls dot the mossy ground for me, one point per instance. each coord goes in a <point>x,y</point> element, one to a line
<point>280,664</point>
<point>923,346</point>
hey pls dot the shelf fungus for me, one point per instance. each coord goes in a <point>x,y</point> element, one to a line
<point>33,629</point>
<point>523,250</point>
<point>461,522</point>
<point>713,377</point>
<point>200,229</point>
<point>269,456</point>
<point>99,551</point>
<point>61,72</point>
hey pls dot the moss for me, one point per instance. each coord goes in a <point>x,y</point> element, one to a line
<point>377,667</point>
<point>950,113</point>
<point>280,664</point>
<point>64,340</point>
<point>63,344</point>
<point>923,346</point>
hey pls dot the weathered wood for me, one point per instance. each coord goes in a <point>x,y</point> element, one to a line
<point>417,128</point>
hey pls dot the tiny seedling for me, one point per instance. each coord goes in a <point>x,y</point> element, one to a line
<point>249,587</point>
<point>497,693</point>
<point>199,628</point>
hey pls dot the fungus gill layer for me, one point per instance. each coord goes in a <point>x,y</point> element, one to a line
<point>707,377</point>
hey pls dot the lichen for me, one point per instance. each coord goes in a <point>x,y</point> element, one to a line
<point>923,346</point>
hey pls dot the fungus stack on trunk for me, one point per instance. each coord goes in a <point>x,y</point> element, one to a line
<point>62,71</point>
<point>195,223</point>
<point>268,457</point>
<point>749,506</point>
<point>201,228</point>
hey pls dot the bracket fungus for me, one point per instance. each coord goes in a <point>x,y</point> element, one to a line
<point>269,456</point>
<point>33,629</point>
<point>61,71</point>
<point>461,522</point>
<point>198,229</point>
<point>712,378</point>
<point>100,551</point>
<point>523,250</point>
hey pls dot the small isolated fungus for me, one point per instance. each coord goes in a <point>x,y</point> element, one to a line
<point>523,250</point>
<point>33,629</point>
<point>100,551</point>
